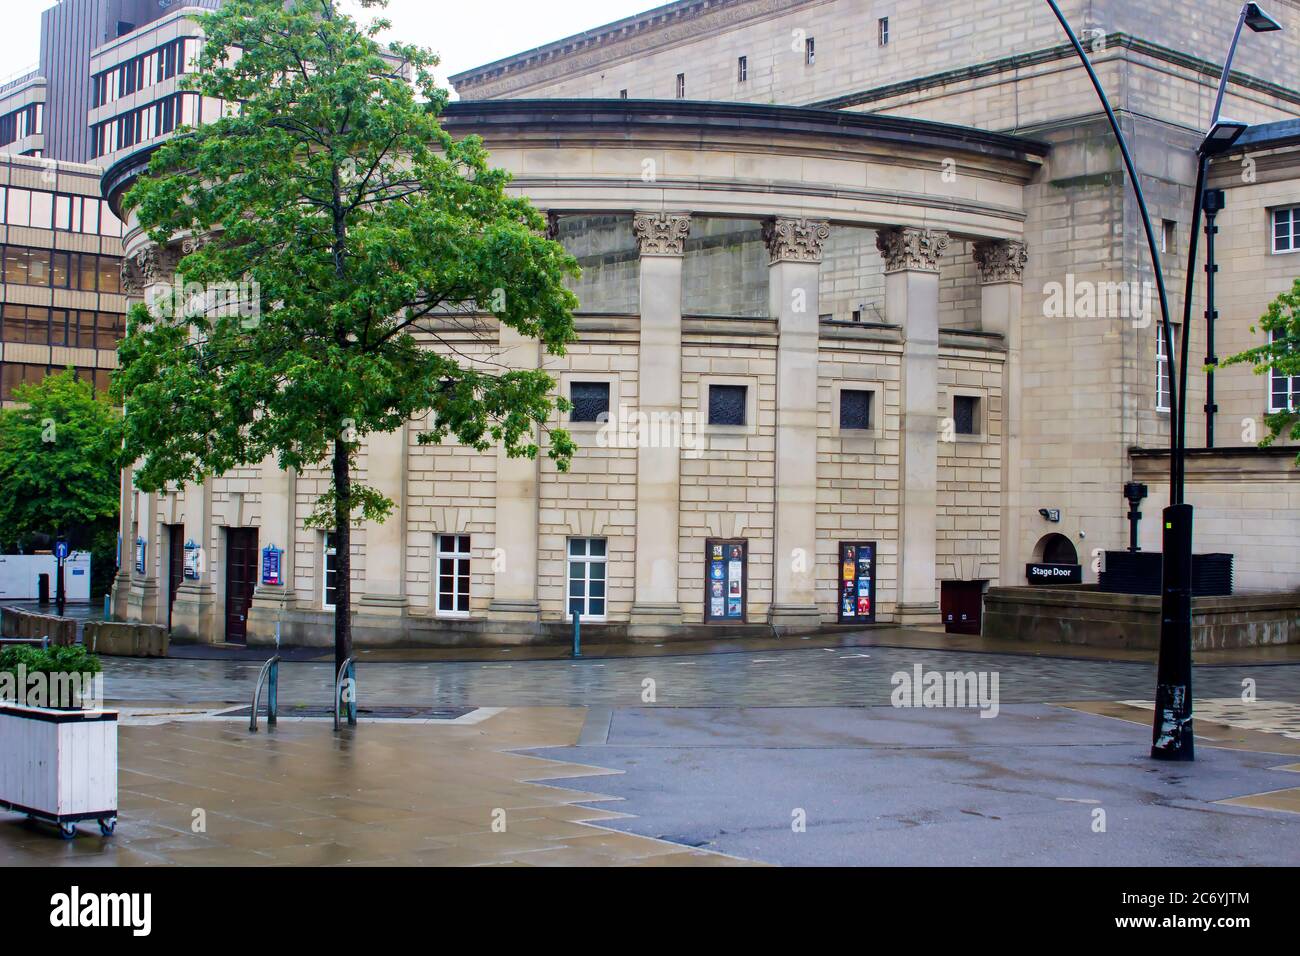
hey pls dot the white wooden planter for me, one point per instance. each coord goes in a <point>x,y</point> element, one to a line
<point>59,765</point>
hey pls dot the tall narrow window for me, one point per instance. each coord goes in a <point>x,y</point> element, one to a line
<point>742,69</point>
<point>809,51</point>
<point>622,94</point>
<point>1162,372</point>
<point>1167,235</point>
<point>329,573</point>
<point>681,86</point>
<point>587,560</point>
<point>453,575</point>
<point>1284,390</point>
<point>883,30</point>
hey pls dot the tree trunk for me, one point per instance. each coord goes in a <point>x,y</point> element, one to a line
<point>343,555</point>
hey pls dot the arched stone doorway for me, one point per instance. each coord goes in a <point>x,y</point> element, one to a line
<point>1056,549</point>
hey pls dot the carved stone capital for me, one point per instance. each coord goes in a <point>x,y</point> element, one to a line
<point>154,266</point>
<point>661,233</point>
<point>1001,260</point>
<point>553,226</point>
<point>192,244</point>
<point>916,250</point>
<point>795,240</point>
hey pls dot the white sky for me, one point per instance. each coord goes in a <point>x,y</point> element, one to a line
<point>465,33</point>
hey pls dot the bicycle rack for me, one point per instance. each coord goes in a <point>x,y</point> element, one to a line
<point>348,671</point>
<point>271,668</point>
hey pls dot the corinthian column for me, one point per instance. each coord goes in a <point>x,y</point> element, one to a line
<point>911,259</point>
<point>662,240</point>
<point>1001,266</point>
<point>794,255</point>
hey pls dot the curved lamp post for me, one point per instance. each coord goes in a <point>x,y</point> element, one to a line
<point>1172,730</point>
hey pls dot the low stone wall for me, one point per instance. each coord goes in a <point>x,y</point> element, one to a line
<point>18,623</point>
<point>1090,617</point>
<point>118,639</point>
<point>112,638</point>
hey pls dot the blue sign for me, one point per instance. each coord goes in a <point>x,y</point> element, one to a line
<point>139,555</point>
<point>76,571</point>
<point>271,564</point>
<point>192,558</point>
<point>61,550</point>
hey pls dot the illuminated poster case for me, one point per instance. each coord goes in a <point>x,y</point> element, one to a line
<point>726,580</point>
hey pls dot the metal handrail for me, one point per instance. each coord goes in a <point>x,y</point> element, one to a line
<point>271,667</point>
<point>346,669</point>
<point>43,641</point>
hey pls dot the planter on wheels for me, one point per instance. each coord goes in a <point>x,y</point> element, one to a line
<point>59,765</point>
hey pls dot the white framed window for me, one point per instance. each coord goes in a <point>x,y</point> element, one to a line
<point>742,69</point>
<point>882,30</point>
<point>587,562</point>
<point>681,86</point>
<point>809,51</point>
<point>329,572</point>
<point>1283,390</point>
<point>1286,230</point>
<point>1162,371</point>
<point>1167,227</point>
<point>453,575</point>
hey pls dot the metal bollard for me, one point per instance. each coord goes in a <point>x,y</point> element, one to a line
<point>577,635</point>
<point>108,608</point>
<point>273,693</point>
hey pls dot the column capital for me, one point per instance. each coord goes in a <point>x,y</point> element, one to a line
<point>795,240</point>
<point>148,267</point>
<point>661,233</point>
<point>1001,260</point>
<point>915,250</point>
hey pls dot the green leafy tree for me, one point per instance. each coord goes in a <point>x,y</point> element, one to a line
<point>369,232</point>
<point>59,469</point>
<point>1280,355</point>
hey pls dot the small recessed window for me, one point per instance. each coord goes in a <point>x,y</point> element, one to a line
<point>1167,235</point>
<point>590,401</point>
<point>742,69</point>
<point>622,94</point>
<point>883,30</point>
<point>965,414</point>
<point>727,404</point>
<point>857,315</point>
<point>855,410</point>
<point>1286,229</point>
<point>809,51</point>
<point>681,86</point>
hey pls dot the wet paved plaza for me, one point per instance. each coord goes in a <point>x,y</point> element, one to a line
<point>803,677</point>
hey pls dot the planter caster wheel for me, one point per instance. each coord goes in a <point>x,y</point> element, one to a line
<point>107,826</point>
<point>67,830</point>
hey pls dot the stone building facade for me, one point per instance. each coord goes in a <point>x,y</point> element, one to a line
<point>840,322</point>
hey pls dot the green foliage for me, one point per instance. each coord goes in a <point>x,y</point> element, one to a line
<point>53,660</point>
<point>1281,355</point>
<point>372,236</point>
<point>58,461</point>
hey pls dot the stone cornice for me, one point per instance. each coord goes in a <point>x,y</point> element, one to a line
<point>630,37</point>
<point>795,240</point>
<point>914,250</point>
<point>1064,51</point>
<point>660,233</point>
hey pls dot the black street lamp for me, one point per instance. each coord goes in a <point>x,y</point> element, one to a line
<point>1172,731</point>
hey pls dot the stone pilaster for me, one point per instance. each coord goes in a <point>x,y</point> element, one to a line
<point>383,594</point>
<point>194,613</point>
<point>911,258</point>
<point>126,545</point>
<point>1001,265</point>
<point>277,492</point>
<point>795,255</point>
<point>662,238</point>
<point>514,591</point>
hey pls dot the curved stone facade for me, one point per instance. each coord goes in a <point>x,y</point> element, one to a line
<point>803,333</point>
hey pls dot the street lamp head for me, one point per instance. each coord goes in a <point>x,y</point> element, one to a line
<point>1259,21</point>
<point>1221,136</point>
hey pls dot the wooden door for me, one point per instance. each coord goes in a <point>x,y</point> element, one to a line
<point>175,565</point>
<point>241,579</point>
<point>961,603</point>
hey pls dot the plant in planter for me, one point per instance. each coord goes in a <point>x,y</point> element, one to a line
<point>58,747</point>
<point>61,678</point>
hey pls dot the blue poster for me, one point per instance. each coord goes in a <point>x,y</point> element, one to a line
<point>271,564</point>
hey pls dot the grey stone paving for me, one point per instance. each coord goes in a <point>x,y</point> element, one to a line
<point>886,786</point>
<point>807,676</point>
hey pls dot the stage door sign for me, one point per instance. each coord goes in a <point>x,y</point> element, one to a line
<point>725,581</point>
<point>857,581</point>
